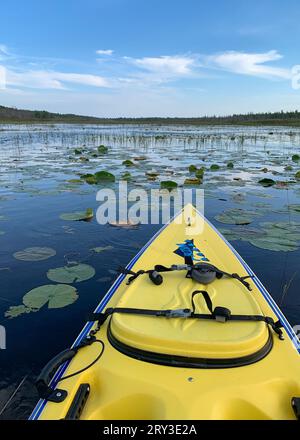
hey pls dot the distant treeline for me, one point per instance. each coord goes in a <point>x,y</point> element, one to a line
<point>10,114</point>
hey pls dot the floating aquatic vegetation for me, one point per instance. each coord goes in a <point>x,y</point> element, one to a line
<point>168,184</point>
<point>152,173</point>
<point>128,163</point>
<point>297,175</point>
<point>75,181</point>
<point>230,165</point>
<point>288,168</point>
<point>104,176</point>
<point>192,181</point>
<point>214,167</point>
<point>78,215</point>
<point>84,159</point>
<point>280,236</point>
<point>200,173</point>
<point>241,233</point>
<point>267,182</point>
<point>89,178</point>
<point>295,158</point>
<point>126,176</point>
<point>102,149</point>
<point>56,296</point>
<point>71,274</point>
<point>77,151</point>
<point>238,198</point>
<point>192,168</point>
<point>237,216</point>
<point>35,254</point>
<point>100,249</point>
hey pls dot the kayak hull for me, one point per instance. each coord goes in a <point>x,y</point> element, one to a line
<point>156,368</point>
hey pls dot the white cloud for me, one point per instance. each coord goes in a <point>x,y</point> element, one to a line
<point>104,52</point>
<point>40,79</point>
<point>165,65</point>
<point>249,64</point>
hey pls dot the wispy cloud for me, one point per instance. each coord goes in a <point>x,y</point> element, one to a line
<point>104,52</point>
<point>177,65</point>
<point>40,79</point>
<point>253,64</point>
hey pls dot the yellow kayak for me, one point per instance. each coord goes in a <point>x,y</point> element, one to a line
<point>187,331</point>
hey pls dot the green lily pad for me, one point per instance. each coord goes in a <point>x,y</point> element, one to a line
<point>56,296</point>
<point>168,184</point>
<point>78,215</point>
<point>192,168</point>
<point>200,173</point>
<point>15,311</point>
<point>214,167</point>
<point>279,237</point>
<point>295,158</point>
<point>266,182</point>
<point>104,176</point>
<point>126,176</point>
<point>236,216</point>
<point>35,254</point>
<point>297,175</point>
<point>271,244</point>
<point>230,165</point>
<point>128,163</point>
<point>71,274</point>
<point>102,149</point>
<point>90,179</point>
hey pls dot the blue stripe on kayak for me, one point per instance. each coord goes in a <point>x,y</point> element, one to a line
<point>41,403</point>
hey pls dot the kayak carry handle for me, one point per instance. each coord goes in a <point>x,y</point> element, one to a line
<point>43,380</point>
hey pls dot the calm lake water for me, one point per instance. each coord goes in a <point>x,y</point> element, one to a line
<point>38,182</point>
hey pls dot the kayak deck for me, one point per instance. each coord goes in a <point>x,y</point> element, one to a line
<point>126,385</point>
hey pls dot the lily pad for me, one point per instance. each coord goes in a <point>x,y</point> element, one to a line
<point>168,184</point>
<point>128,163</point>
<point>56,296</point>
<point>266,182</point>
<point>192,168</point>
<point>297,175</point>
<point>102,149</point>
<point>126,176</point>
<point>71,274</point>
<point>78,215</point>
<point>15,311</point>
<point>295,158</point>
<point>230,165</point>
<point>214,167</point>
<point>104,176</point>
<point>279,237</point>
<point>237,216</point>
<point>35,254</point>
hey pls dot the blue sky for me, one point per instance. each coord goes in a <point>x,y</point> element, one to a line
<point>150,58</point>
